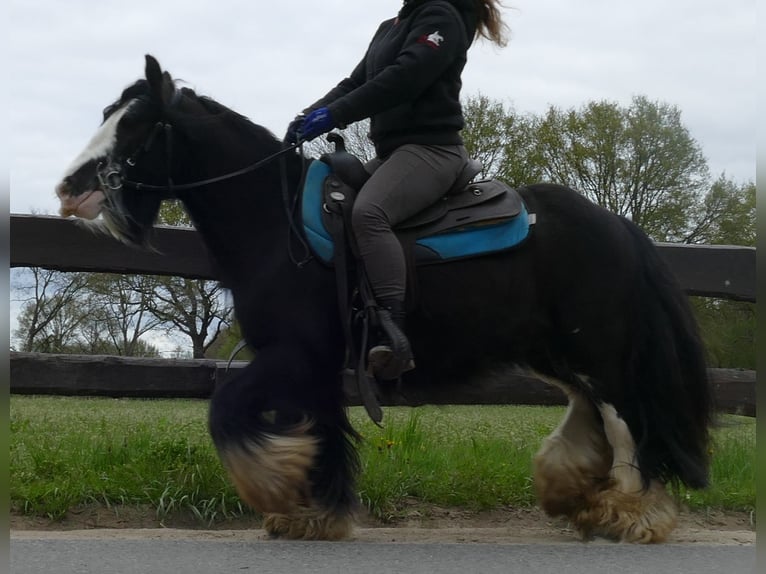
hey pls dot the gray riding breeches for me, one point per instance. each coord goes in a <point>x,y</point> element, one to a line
<point>409,180</point>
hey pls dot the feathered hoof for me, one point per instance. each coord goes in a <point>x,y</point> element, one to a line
<point>271,471</point>
<point>308,524</point>
<point>644,517</point>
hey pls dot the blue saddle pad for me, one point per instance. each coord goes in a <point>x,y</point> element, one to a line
<point>445,246</point>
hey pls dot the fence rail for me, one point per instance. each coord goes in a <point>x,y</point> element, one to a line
<point>54,243</point>
<point>93,375</point>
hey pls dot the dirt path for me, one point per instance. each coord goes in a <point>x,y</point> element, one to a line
<point>420,524</point>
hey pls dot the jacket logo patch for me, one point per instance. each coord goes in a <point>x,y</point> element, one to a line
<point>434,39</point>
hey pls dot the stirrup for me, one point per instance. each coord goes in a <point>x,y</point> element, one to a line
<point>389,360</point>
<point>384,364</point>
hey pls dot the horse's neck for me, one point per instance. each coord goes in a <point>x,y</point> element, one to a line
<point>243,222</point>
<point>243,219</point>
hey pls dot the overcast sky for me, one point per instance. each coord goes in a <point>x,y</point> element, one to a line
<point>267,60</point>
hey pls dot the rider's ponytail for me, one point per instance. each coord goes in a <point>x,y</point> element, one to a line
<point>490,24</point>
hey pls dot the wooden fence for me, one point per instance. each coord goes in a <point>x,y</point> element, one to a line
<point>108,376</point>
<point>54,243</point>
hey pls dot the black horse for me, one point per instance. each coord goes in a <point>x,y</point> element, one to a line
<point>586,304</point>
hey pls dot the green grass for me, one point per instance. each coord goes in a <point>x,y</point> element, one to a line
<point>473,457</point>
<point>70,452</point>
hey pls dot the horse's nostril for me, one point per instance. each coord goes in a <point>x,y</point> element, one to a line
<point>63,188</point>
<point>68,187</point>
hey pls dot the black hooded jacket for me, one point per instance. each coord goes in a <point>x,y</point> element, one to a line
<point>409,81</point>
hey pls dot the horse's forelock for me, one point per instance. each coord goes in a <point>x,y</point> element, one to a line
<point>137,90</point>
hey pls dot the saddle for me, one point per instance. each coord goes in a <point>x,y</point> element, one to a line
<point>473,218</point>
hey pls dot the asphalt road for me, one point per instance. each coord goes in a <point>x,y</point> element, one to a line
<point>190,555</point>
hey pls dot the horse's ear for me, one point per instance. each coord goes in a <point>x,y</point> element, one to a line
<point>160,83</point>
<point>168,87</point>
<point>153,73</point>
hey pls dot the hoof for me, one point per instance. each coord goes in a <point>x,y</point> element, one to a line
<point>308,524</point>
<point>644,517</point>
<point>587,473</point>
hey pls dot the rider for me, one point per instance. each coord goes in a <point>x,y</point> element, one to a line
<point>408,84</point>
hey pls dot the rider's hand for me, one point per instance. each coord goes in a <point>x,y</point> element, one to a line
<point>316,123</point>
<point>291,137</point>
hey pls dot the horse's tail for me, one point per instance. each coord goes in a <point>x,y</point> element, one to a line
<point>669,400</point>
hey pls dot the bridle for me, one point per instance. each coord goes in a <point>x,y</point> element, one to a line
<point>111,176</point>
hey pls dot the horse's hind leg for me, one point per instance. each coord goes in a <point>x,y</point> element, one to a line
<point>573,462</point>
<point>586,471</point>
<point>623,509</point>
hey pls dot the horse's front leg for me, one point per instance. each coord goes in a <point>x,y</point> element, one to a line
<point>283,436</point>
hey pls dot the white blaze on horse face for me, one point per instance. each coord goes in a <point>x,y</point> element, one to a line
<point>102,142</point>
<point>87,203</point>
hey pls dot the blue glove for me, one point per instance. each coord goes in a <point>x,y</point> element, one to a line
<point>316,123</point>
<point>291,137</point>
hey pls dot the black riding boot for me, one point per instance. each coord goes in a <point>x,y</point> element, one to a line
<point>393,355</point>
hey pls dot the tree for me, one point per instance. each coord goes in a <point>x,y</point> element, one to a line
<point>48,321</point>
<point>65,314</point>
<point>728,327</point>
<point>225,344</point>
<point>112,314</point>
<point>356,138</point>
<point>639,162</point>
<point>502,140</point>
<point>194,307</point>
<point>726,215</point>
<point>121,310</point>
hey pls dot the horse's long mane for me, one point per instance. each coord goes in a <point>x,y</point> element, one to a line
<point>140,91</point>
<point>233,119</point>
